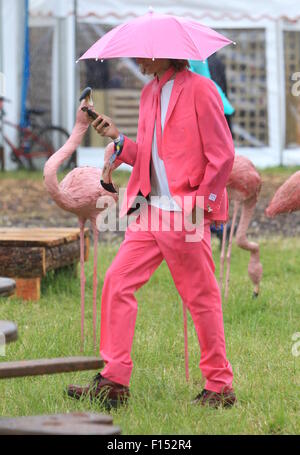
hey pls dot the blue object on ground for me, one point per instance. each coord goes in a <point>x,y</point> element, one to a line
<point>215,230</point>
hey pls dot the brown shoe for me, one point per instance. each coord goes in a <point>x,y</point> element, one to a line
<point>109,393</point>
<point>214,399</point>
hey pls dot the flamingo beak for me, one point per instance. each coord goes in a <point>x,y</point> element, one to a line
<point>86,96</point>
<point>108,187</point>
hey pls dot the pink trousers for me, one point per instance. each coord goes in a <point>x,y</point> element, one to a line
<point>192,269</point>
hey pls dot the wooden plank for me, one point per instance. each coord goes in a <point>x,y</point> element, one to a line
<point>130,122</point>
<point>9,330</point>
<point>125,108</point>
<point>131,117</point>
<point>129,93</point>
<point>37,240</point>
<point>78,423</point>
<point>28,288</point>
<point>130,130</point>
<point>23,368</point>
<point>120,103</point>
<point>38,237</point>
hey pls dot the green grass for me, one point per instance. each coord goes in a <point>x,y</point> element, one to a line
<point>22,175</point>
<point>280,170</point>
<point>120,177</point>
<point>259,343</point>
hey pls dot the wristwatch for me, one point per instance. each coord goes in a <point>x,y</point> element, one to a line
<point>117,140</point>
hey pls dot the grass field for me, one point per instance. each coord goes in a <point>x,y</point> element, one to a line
<point>121,177</point>
<point>259,346</point>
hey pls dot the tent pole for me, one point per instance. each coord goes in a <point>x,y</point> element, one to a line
<point>76,85</point>
<point>26,67</point>
<point>1,40</point>
<point>281,85</point>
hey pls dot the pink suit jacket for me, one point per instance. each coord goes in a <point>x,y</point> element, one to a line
<point>197,146</point>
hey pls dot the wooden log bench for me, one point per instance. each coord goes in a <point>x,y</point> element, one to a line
<point>26,255</point>
<point>21,368</point>
<point>77,423</point>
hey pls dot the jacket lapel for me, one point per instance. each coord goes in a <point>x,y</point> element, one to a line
<point>177,88</point>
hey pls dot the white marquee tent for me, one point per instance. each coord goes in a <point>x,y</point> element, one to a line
<point>274,17</point>
<point>120,9</point>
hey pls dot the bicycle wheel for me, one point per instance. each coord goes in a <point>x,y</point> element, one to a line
<point>47,142</point>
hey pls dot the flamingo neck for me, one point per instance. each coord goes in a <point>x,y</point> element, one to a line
<point>57,159</point>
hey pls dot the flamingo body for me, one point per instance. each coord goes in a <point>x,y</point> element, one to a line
<point>287,197</point>
<point>243,186</point>
<point>83,189</point>
<point>244,181</point>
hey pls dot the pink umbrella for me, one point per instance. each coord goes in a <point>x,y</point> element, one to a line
<point>158,36</point>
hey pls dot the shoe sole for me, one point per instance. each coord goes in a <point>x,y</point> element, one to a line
<point>108,403</point>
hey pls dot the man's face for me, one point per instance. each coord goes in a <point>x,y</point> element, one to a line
<point>149,66</point>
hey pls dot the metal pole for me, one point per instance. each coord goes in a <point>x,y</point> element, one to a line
<point>75,53</point>
<point>76,68</point>
<point>281,88</point>
<point>1,38</point>
<point>2,89</point>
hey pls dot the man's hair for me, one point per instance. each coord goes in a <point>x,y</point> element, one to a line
<point>179,65</point>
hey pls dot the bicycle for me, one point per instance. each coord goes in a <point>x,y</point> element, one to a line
<point>36,142</point>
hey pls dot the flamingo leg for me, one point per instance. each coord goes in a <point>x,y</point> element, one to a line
<point>82,280</point>
<point>254,266</point>
<point>228,256</point>
<point>95,283</point>
<point>222,257</point>
<point>186,352</point>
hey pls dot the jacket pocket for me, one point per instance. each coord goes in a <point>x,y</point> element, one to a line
<point>195,180</point>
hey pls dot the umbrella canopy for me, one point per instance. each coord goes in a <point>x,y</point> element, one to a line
<point>158,36</point>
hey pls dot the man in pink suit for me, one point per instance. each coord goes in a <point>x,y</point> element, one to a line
<point>181,160</point>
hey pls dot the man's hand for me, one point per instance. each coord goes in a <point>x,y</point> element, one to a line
<point>108,131</point>
<point>216,223</point>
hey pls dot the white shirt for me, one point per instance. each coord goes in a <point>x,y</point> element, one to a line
<point>159,180</point>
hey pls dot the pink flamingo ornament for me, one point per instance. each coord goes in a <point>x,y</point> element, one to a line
<point>78,193</point>
<point>243,187</point>
<point>287,197</point>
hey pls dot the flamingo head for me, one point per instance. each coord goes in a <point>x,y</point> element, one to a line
<point>86,96</point>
